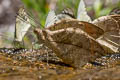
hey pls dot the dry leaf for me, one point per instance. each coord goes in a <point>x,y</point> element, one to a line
<point>110,41</point>
<point>108,23</point>
<point>111,38</point>
<point>69,39</point>
<point>91,29</point>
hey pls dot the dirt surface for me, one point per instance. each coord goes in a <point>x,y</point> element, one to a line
<point>45,65</point>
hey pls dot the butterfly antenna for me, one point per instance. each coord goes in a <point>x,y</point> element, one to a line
<point>34,19</point>
<point>5,37</point>
<point>22,19</point>
<point>31,18</point>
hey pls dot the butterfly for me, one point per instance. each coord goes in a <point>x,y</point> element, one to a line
<point>22,24</point>
<point>67,13</point>
<point>24,19</point>
<point>82,13</point>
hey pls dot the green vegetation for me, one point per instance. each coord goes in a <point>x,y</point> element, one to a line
<point>41,7</point>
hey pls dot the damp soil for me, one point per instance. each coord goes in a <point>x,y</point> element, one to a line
<point>45,65</point>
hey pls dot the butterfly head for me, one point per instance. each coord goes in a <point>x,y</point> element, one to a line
<point>69,12</point>
<point>115,11</point>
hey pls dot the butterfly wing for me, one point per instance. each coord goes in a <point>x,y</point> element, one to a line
<point>22,24</point>
<point>82,13</point>
<point>50,18</point>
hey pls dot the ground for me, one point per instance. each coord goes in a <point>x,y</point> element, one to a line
<point>32,66</point>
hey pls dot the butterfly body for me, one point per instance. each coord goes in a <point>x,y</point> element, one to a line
<point>115,11</point>
<point>66,14</point>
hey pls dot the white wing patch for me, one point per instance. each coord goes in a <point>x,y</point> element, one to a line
<point>50,20</point>
<point>22,25</point>
<point>82,13</point>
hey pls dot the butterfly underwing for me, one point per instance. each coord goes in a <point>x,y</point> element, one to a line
<point>22,24</point>
<point>50,18</point>
<point>82,13</point>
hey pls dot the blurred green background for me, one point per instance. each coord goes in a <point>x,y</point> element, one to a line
<point>95,8</point>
